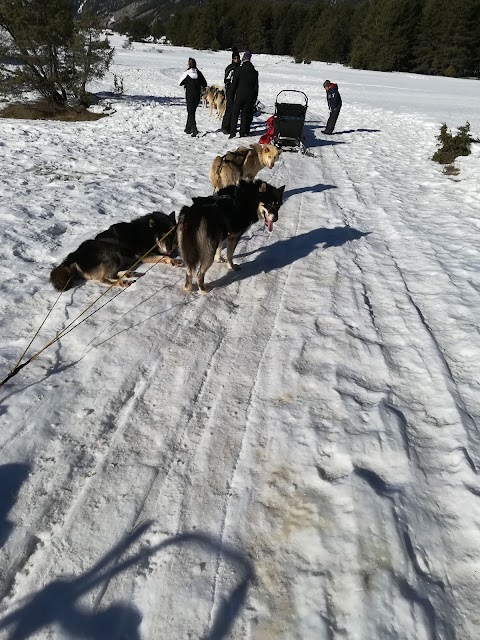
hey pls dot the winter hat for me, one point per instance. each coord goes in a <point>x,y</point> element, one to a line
<point>246,56</point>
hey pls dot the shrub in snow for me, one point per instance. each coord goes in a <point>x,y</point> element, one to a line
<point>57,51</point>
<point>452,146</point>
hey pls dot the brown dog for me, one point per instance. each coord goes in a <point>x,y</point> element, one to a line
<point>220,103</point>
<point>210,96</point>
<point>242,164</point>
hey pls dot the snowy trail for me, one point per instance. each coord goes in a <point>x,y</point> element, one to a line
<point>293,456</point>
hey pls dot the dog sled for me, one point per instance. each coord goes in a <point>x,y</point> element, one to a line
<point>289,120</point>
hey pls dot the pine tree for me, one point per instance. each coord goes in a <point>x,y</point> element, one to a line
<point>157,29</point>
<point>204,28</point>
<point>56,52</point>
<point>261,29</point>
<point>449,41</point>
<point>388,35</point>
<point>331,38</point>
<point>89,56</point>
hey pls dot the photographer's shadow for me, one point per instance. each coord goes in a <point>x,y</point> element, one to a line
<point>12,476</point>
<point>286,252</point>
<point>58,604</point>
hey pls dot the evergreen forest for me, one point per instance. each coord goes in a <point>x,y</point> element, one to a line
<point>437,37</point>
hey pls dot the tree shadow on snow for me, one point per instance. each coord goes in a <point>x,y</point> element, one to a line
<point>57,603</point>
<point>109,95</point>
<point>12,476</point>
<point>339,133</point>
<point>286,252</point>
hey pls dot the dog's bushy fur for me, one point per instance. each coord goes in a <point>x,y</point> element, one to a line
<point>111,252</point>
<point>242,164</point>
<point>214,98</point>
<point>203,226</point>
<point>220,103</point>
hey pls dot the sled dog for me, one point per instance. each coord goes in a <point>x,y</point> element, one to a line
<point>203,96</point>
<point>108,256</point>
<point>210,96</point>
<point>242,164</point>
<point>226,215</point>
<point>220,103</point>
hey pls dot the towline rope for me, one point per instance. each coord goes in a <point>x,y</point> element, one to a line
<point>18,367</point>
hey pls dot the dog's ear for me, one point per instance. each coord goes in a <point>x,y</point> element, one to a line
<point>263,187</point>
<point>172,217</point>
<point>281,189</point>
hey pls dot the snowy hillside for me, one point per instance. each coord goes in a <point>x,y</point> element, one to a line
<point>295,456</point>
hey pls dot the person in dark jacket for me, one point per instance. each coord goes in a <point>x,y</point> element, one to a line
<point>245,89</point>
<point>193,80</point>
<point>229,73</point>
<point>334,101</point>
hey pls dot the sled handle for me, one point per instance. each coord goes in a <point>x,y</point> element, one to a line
<point>293,91</point>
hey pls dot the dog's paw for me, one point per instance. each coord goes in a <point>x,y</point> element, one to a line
<point>177,262</point>
<point>204,291</point>
<point>233,267</point>
<point>125,283</point>
<point>187,288</point>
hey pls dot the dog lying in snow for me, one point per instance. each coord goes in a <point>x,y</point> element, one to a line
<point>109,255</point>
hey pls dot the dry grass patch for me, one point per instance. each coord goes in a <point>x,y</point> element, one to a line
<point>43,110</point>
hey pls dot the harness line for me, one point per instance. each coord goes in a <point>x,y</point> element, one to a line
<point>18,367</point>
<point>39,328</point>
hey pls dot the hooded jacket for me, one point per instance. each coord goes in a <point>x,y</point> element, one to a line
<point>334,99</point>
<point>193,80</point>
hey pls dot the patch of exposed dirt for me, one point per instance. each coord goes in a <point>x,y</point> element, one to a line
<point>43,110</point>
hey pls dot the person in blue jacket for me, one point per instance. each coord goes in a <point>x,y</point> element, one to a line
<point>334,101</point>
<point>193,81</point>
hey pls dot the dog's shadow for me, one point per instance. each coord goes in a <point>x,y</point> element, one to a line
<point>286,252</point>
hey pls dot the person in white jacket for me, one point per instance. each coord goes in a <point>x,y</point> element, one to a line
<point>193,80</point>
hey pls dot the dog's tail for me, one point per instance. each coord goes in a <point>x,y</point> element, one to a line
<point>214,173</point>
<point>188,241</point>
<point>62,276</point>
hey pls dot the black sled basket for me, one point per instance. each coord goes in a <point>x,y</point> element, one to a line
<point>289,119</point>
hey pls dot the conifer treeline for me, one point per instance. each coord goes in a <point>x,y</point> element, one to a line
<point>440,37</point>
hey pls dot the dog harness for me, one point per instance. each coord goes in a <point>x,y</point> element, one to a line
<point>239,158</point>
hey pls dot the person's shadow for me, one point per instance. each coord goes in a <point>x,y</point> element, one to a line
<point>11,478</point>
<point>286,252</point>
<point>312,141</point>
<point>57,603</point>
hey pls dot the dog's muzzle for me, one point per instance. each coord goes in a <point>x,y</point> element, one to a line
<point>269,218</point>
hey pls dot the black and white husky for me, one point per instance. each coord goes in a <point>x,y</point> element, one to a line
<point>203,226</point>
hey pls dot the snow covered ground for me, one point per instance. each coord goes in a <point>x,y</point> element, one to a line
<point>295,456</point>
